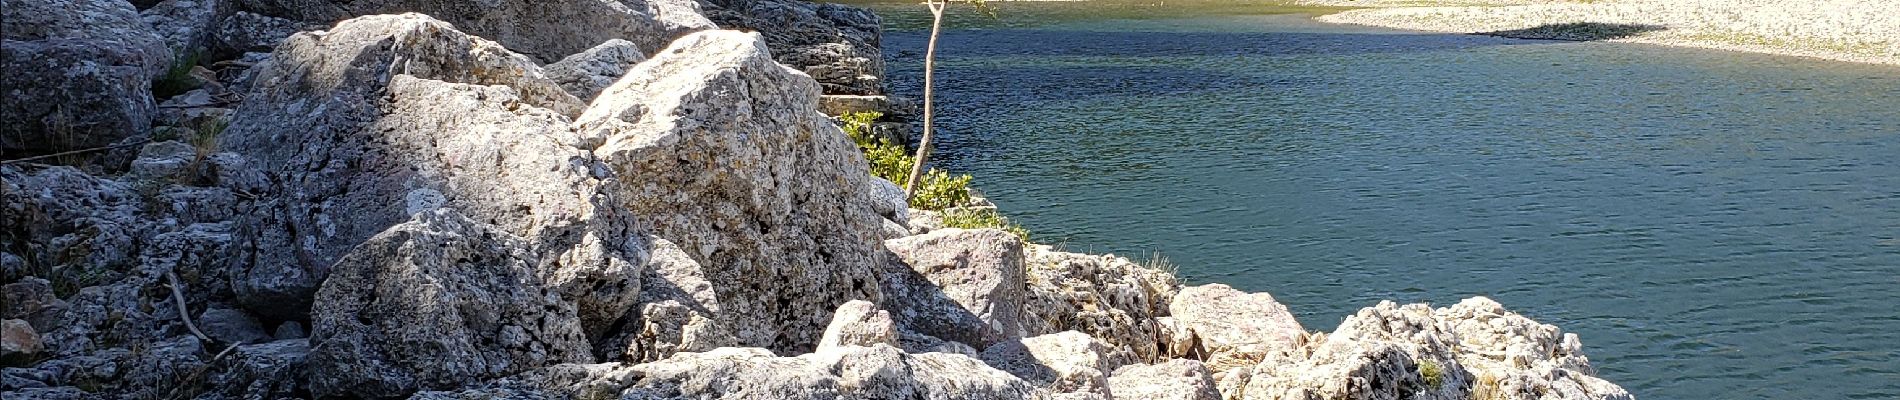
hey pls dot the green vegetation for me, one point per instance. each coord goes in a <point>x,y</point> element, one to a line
<point>1433,373</point>
<point>178,79</point>
<point>937,189</point>
<point>982,218</point>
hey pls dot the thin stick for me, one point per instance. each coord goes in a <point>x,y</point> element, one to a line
<point>178,296</point>
<point>930,58</point>
<point>80,151</point>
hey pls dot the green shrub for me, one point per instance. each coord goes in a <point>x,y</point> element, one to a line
<point>1434,375</point>
<point>982,218</point>
<point>888,159</point>
<point>177,79</point>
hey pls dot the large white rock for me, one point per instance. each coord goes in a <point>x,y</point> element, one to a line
<point>859,323</point>
<point>719,150</point>
<point>1170,380</point>
<point>1115,300</point>
<point>384,116</point>
<point>842,373</point>
<point>1234,329</point>
<point>1475,349</point>
<point>1067,362</point>
<point>546,29</point>
<point>964,285</point>
<point>436,303</point>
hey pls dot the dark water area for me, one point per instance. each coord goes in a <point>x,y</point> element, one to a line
<point>1712,224</point>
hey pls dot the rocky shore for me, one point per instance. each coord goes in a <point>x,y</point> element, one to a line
<point>1866,31</point>
<point>583,199</point>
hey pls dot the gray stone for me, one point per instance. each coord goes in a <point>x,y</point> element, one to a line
<point>383,116</point>
<point>19,343</point>
<point>719,150</point>
<point>958,284</point>
<point>78,75</point>
<point>1111,298</point>
<point>30,299</point>
<point>289,330</point>
<point>436,303</point>
<point>231,326</point>
<point>263,371</point>
<point>836,44</point>
<point>859,323</point>
<point>1170,380</point>
<point>76,228</point>
<point>546,29</point>
<point>244,32</point>
<point>586,73</point>
<point>185,24</point>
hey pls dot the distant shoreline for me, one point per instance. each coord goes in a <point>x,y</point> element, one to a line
<point>1861,31</point>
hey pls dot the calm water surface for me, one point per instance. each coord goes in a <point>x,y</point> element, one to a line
<point>1713,224</point>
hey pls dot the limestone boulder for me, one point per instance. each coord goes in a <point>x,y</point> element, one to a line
<point>718,149</point>
<point>360,126</point>
<point>436,303</point>
<point>19,343</point>
<point>1118,301</point>
<point>79,75</point>
<point>859,323</point>
<point>1475,349</point>
<point>842,373</point>
<point>546,29</point>
<point>964,285</point>
<point>273,370</point>
<point>587,73</point>
<point>186,25</point>
<point>1234,329</point>
<point>245,32</point>
<point>1067,362</point>
<point>834,43</point>
<point>1176,379</point>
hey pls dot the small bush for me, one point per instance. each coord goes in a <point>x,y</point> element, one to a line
<point>1433,373</point>
<point>936,190</point>
<point>178,79</point>
<point>982,218</point>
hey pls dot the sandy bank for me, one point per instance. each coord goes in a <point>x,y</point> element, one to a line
<point>1866,31</point>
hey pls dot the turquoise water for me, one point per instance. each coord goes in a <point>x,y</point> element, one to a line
<point>1713,224</point>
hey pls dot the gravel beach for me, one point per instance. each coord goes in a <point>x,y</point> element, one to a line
<point>1865,31</point>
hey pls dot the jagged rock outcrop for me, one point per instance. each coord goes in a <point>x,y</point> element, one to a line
<point>78,75</point>
<point>272,370</point>
<point>1475,349</point>
<point>383,116</point>
<point>958,284</point>
<point>436,303</point>
<point>587,73</point>
<point>834,43</point>
<point>246,32</point>
<point>1233,329</point>
<point>841,373</point>
<point>859,323</point>
<point>718,148</point>
<point>1176,379</point>
<point>546,29</point>
<point>1067,362</point>
<point>186,25</point>
<point>1115,300</point>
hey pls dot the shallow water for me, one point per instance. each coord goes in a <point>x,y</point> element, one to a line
<point>1712,224</point>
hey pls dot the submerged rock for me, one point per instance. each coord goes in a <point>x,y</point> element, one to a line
<point>436,303</point>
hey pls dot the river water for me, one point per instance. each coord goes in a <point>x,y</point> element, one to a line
<point>1712,224</point>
